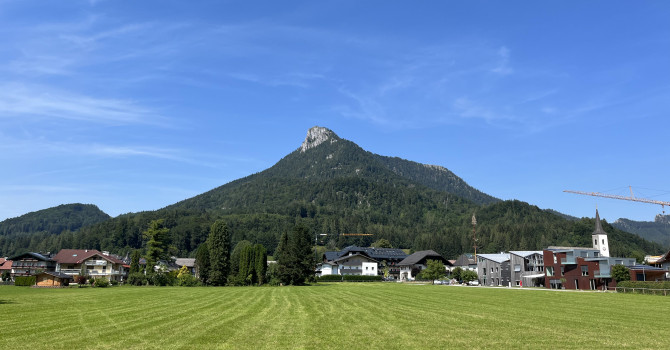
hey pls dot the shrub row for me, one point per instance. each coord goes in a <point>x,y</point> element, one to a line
<point>349,278</point>
<point>25,281</point>
<point>661,288</point>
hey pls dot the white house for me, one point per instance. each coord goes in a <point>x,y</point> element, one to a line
<point>352,264</point>
<point>413,264</point>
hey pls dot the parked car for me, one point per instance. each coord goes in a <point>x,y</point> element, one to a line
<point>473,283</point>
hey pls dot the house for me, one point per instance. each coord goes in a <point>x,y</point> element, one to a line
<point>466,261</point>
<point>73,262</point>
<point>494,269</point>
<point>663,262</point>
<point>412,265</point>
<point>5,268</point>
<point>647,273</point>
<point>357,264</point>
<point>587,268</point>
<point>386,258</point>
<point>526,268</point>
<point>580,268</point>
<point>188,262</point>
<point>31,263</point>
<point>52,279</point>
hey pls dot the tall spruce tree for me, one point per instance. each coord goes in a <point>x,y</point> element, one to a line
<point>247,268</point>
<point>295,259</point>
<point>135,261</point>
<point>219,253</point>
<point>235,256</point>
<point>157,244</point>
<point>202,262</point>
<point>261,261</point>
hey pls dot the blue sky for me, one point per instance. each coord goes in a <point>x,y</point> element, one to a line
<point>135,105</point>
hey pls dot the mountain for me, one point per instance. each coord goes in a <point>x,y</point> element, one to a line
<point>333,186</point>
<point>656,231</point>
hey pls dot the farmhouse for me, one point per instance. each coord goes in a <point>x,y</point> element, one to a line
<point>5,267</point>
<point>90,261</point>
<point>30,263</point>
<point>466,261</point>
<point>413,264</point>
<point>52,279</point>
<point>341,263</point>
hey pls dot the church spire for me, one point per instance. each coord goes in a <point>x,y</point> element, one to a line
<point>599,227</point>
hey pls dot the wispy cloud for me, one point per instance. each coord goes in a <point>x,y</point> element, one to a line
<point>503,66</point>
<point>26,101</point>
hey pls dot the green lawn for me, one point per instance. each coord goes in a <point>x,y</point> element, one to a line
<point>329,316</point>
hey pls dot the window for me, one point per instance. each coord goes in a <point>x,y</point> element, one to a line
<point>562,270</point>
<point>517,268</point>
<point>603,242</point>
<point>555,259</point>
<point>618,262</point>
<point>595,242</point>
<point>585,270</point>
<point>491,270</point>
<point>550,271</point>
<point>595,254</point>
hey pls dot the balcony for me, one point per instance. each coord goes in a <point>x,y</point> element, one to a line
<point>602,274</point>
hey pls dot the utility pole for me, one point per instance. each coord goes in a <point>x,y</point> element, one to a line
<point>316,257</point>
<point>474,233</point>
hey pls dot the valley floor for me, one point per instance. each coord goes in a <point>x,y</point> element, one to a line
<point>327,316</point>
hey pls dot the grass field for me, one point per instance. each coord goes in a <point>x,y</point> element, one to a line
<point>328,316</point>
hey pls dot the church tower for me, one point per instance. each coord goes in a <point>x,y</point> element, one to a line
<point>600,238</point>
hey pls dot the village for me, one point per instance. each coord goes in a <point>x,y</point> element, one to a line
<point>579,268</point>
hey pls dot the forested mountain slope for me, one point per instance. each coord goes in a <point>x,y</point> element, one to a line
<point>333,186</point>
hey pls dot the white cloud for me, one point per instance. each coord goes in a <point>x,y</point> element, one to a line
<point>31,101</point>
<point>503,67</point>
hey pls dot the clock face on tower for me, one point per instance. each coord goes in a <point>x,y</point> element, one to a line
<point>604,248</point>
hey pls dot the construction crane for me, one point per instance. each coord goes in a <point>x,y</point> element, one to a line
<point>356,234</point>
<point>631,198</point>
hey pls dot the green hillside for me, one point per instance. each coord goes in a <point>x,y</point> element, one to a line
<point>30,231</point>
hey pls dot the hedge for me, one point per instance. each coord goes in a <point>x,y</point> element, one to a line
<point>349,278</point>
<point>642,287</point>
<point>25,281</point>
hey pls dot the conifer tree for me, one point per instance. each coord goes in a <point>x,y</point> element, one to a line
<point>202,262</point>
<point>135,261</point>
<point>157,245</point>
<point>219,253</point>
<point>261,263</point>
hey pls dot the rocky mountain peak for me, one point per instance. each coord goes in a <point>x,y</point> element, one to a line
<point>316,136</point>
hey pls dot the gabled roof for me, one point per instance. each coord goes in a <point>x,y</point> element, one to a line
<point>664,258</point>
<point>423,256</point>
<point>77,256</point>
<point>188,262</point>
<point>375,253</point>
<point>56,274</point>
<point>5,264</point>
<point>499,258</point>
<point>465,260</point>
<point>525,253</point>
<point>353,255</point>
<point>33,255</point>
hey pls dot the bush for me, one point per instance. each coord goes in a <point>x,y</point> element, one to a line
<point>642,287</point>
<point>137,279</point>
<point>114,282</point>
<point>25,281</point>
<point>349,278</point>
<point>81,280</point>
<point>101,282</point>
<point>164,278</point>
<point>91,280</point>
<point>187,280</point>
